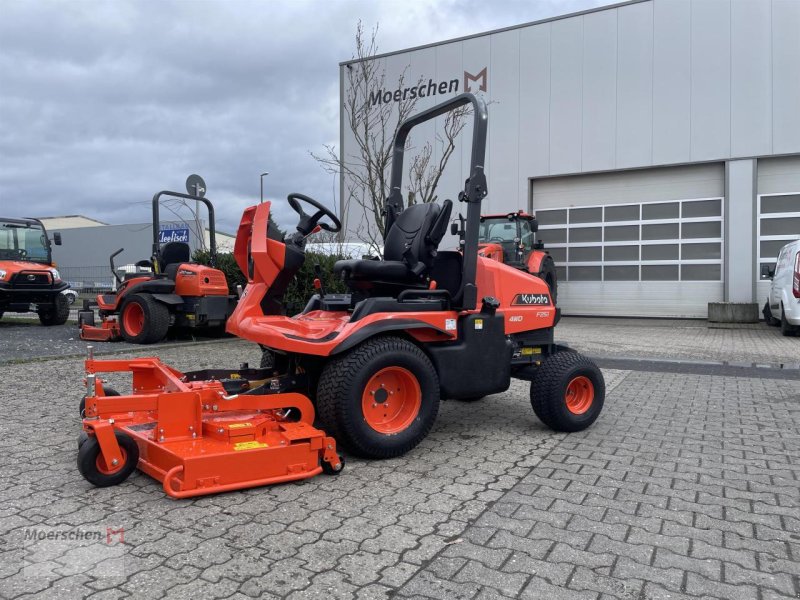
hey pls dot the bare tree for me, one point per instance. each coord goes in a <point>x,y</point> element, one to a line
<point>374,124</point>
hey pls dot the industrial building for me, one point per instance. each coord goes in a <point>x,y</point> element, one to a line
<point>657,141</point>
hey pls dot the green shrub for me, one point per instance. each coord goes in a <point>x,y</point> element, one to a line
<point>300,289</point>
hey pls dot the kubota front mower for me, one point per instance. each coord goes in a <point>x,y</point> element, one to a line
<point>173,292</point>
<point>417,327</point>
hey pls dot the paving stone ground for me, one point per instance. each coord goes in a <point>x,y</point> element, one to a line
<point>686,486</point>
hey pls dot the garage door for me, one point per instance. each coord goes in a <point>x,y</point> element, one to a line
<point>642,243</point>
<point>778,211</point>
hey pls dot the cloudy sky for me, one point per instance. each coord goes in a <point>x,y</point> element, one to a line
<point>104,103</point>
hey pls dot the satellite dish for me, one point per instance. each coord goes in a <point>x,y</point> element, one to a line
<point>196,186</point>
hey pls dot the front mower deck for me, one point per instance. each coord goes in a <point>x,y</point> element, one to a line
<point>233,431</point>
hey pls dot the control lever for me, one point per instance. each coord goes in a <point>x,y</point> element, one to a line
<point>318,280</point>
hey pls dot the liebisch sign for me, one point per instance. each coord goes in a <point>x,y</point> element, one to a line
<point>173,234</point>
<point>471,83</point>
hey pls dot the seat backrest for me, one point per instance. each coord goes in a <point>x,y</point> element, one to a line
<point>172,253</point>
<point>416,233</point>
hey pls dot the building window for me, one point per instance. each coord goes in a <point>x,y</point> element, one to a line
<point>778,224</point>
<point>679,240</point>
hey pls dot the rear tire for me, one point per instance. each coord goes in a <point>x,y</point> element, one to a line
<point>768,318</point>
<point>568,392</point>
<point>473,399</point>
<point>143,320</point>
<point>380,399</point>
<point>93,468</point>
<point>787,329</point>
<point>55,314</point>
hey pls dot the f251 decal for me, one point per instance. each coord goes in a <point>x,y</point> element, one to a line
<point>531,300</point>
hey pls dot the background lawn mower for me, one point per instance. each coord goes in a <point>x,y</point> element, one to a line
<point>173,293</point>
<point>418,326</point>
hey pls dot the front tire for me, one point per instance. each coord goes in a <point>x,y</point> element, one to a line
<point>568,392</point>
<point>768,318</point>
<point>380,399</point>
<point>55,314</point>
<point>143,320</point>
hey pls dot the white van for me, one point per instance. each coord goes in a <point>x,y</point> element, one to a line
<point>783,305</point>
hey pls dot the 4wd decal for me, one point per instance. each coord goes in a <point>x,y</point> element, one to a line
<point>531,300</point>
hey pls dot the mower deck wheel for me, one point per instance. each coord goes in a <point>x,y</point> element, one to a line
<point>329,470</point>
<point>380,399</point>
<point>143,320</point>
<point>94,468</point>
<point>568,392</point>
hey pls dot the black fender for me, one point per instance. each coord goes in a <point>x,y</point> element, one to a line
<point>381,327</point>
<point>168,299</point>
<point>153,286</point>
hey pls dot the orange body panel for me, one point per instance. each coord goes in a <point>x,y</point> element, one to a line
<point>493,251</point>
<point>12,267</point>
<point>199,280</point>
<point>535,259</point>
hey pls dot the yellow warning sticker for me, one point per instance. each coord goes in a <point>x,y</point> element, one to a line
<point>249,445</point>
<point>478,323</point>
<point>239,425</point>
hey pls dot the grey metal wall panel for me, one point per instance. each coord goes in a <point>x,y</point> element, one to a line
<point>534,114</point>
<point>635,86</point>
<point>476,54</point>
<point>740,176</point>
<point>786,78</point>
<point>566,81</point>
<point>671,81</point>
<point>779,175</point>
<point>504,133</point>
<point>751,74</point>
<point>599,91</point>
<point>711,79</point>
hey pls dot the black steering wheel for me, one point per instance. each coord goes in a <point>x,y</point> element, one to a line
<point>308,223</point>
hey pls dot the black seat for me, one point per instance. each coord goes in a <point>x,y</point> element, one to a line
<point>172,256</point>
<point>409,250</point>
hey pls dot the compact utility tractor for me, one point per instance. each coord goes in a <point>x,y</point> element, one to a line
<point>417,327</point>
<point>29,280</point>
<point>511,239</point>
<point>172,292</point>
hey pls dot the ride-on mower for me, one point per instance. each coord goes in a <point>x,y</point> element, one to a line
<point>173,292</point>
<point>417,327</point>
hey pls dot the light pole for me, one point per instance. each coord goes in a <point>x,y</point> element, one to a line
<point>262,185</point>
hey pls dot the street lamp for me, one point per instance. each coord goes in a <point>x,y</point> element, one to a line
<point>262,185</point>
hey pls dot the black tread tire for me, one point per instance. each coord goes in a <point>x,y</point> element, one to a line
<point>156,320</point>
<point>106,390</point>
<point>267,359</point>
<point>787,329</point>
<point>328,470</point>
<point>473,399</point>
<point>548,275</point>
<point>87,457</point>
<point>549,386</point>
<point>341,385</point>
<point>55,314</point>
<point>768,318</point>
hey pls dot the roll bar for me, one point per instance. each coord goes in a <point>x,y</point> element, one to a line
<point>212,231</point>
<point>474,190</point>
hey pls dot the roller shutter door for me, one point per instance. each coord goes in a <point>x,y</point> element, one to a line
<point>636,243</point>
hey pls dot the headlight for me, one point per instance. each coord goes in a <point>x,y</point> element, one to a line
<point>2,274</point>
<point>56,275</point>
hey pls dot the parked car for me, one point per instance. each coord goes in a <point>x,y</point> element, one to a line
<point>783,304</point>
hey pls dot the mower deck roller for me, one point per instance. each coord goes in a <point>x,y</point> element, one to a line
<point>201,432</point>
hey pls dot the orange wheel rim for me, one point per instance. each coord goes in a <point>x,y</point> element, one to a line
<point>391,400</point>
<point>579,395</point>
<point>133,318</point>
<point>107,469</point>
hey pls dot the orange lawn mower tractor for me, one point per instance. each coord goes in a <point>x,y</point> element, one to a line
<point>511,239</point>
<point>418,326</point>
<point>173,292</point>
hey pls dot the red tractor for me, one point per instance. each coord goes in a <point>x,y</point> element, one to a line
<point>511,239</point>
<point>370,366</point>
<point>173,292</point>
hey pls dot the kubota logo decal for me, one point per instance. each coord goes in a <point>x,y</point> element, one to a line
<point>531,299</point>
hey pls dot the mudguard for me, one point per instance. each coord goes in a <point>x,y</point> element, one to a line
<point>168,299</point>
